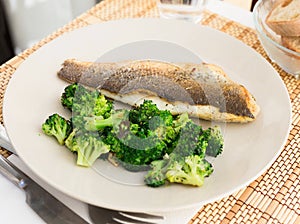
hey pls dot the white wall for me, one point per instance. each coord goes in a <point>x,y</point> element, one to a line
<point>32,20</point>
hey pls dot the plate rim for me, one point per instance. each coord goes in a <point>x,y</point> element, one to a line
<point>5,112</point>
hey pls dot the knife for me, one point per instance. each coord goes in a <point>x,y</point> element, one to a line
<point>5,142</point>
<point>50,209</point>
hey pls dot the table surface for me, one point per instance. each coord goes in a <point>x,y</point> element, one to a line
<point>275,196</point>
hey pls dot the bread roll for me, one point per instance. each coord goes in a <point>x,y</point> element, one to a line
<point>292,43</point>
<point>284,18</point>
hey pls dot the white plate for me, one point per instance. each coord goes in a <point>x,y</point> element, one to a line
<point>34,92</point>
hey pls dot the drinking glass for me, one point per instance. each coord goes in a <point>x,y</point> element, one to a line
<point>189,10</point>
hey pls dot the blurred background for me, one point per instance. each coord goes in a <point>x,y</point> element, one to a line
<point>25,22</point>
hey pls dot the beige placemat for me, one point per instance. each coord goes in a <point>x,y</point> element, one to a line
<point>275,196</point>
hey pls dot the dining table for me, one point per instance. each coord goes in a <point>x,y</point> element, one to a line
<point>274,197</point>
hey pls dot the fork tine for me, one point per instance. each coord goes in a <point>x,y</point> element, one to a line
<point>126,220</point>
<point>142,215</point>
<point>107,216</point>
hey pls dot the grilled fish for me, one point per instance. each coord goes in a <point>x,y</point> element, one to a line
<point>203,90</point>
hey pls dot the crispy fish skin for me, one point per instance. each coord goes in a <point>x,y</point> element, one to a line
<point>203,90</point>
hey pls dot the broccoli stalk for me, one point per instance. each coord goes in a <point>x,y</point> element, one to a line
<point>191,170</point>
<point>96,123</point>
<point>85,102</point>
<point>57,126</point>
<point>89,150</point>
<point>88,147</point>
<point>70,141</point>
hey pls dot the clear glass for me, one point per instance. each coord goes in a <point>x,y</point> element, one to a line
<point>189,10</point>
<point>287,59</point>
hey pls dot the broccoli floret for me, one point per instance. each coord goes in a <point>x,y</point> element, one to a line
<point>102,106</point>
<point>132,149</point>
<point>57,126</point>
<point>162,126</point>
<point>68,96</point>
<point>137,136</point>
<point>88,146</point>
<point>215,141</point>
<point>163,118</point>
<point>190,141</point>
<point>149,131</point>
<point>191,170</point>
<point>190,145</point>
<point>138,151</point>
<point>157,175</point>
<point>96,123</point>
<point>143,114</point>
<point>89,149</point>
<point>193,137</point>
<point>171,147</point>
<point>110,139</point>
<point>180,121</point>
<point>89,103</point>
<point>150,119</point>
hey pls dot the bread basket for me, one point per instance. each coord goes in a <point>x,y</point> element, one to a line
<point>287,59</point>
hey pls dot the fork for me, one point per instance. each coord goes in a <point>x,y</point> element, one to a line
<point>102,215</point>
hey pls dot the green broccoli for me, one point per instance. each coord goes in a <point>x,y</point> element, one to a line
<point>57,126</point>
<point>68,95</point>
<point>149,118</point>
<point>162,126</point>
<point>134,150</point>
<point>190,141</point>
<point>171,147</point>
<point>191,170</point>
<point>180,121</point>
<point>153,134</point>
<point>136,136</point>
<point>139,151</point>
<point>191,145</point>
<point>96,123</point>
<point>102,106</point>
<point>156,132</point>
<point>214,138</point>
<point>143,113</point>
<point>70,140</point>
<point>156,176</point>
<point>88,146</point>
<point>84,102</point>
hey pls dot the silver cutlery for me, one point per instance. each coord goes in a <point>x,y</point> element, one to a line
<point>4,140</point>
<point>50,209</point>
<point>97,214</point>
<point>101,215</point>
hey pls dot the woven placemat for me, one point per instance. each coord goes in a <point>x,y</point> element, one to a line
<point>275,196</point>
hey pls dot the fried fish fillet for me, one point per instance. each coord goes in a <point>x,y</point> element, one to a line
<point>203,90</point>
